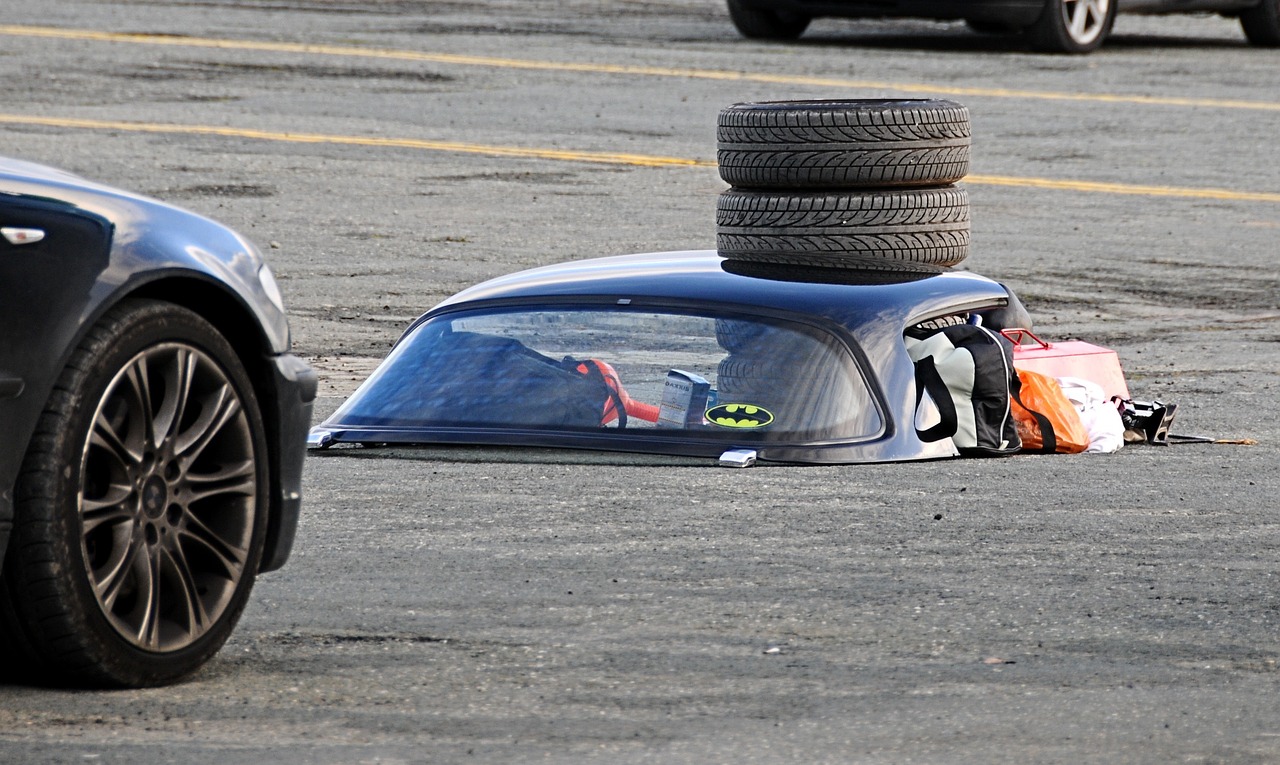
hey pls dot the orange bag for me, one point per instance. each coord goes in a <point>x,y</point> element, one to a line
<point>1047,421</point>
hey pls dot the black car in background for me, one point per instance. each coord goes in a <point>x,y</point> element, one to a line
<point>153,427</point>
<point>1051,26</point>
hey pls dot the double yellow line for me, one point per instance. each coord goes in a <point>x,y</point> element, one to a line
<point>634,160</point>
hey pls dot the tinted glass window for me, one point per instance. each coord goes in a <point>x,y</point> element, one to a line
<point>599,371</point>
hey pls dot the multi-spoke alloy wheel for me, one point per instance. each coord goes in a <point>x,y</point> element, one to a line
<point>1073,26</point>
<point>142,504</point>
<point>168,495</point>
<point>1085,19</point>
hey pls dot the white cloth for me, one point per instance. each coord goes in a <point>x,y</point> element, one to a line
<point>1100,416</point>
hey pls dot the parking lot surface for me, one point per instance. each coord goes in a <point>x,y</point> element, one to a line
<point>459,605</point>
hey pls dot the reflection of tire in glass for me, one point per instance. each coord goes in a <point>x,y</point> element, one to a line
<point>736,335</point>
<point>807,387</point>
<point>844,144</point>
<point>141,504</point>
<point>835,229</point>
<point>744,378</point>
<point>765,23</point>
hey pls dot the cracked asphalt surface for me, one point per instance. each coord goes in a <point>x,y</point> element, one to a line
<point>489,605</point>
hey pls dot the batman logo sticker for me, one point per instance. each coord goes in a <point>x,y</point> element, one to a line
<point>739,416</point>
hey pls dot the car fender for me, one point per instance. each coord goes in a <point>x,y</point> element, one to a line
<point>99,246</point>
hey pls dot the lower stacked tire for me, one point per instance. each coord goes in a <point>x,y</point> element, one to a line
<point>864,184</point>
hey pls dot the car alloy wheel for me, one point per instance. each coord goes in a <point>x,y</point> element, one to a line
<point>141,506</point>
<point>1085,19</point>
<point>167,497</point>
<point>1073,26</point>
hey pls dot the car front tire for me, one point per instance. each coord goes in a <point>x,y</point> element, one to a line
<point>141,507</point>
<point>1072,26</point>
<point>766,24</point>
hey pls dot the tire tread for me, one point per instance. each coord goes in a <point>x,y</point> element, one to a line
<point>843,144</point>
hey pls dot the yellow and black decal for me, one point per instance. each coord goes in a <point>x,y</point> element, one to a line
<point>739,416</point>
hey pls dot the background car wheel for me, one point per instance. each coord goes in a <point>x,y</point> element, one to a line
<point>141,505</point>
<point>838,229</point>
<point>1073,26</point>
<point>843,144</point>
<point>1261,23</point>
<point>766,24</point>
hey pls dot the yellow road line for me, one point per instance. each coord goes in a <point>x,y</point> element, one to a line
<point>613,158</point>
<point>1095,187</point>
<point>647,71</point>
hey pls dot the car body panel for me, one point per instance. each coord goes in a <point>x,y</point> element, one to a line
<point>1016,13</point>
<point>1020,12</point>
<point>102,245</point>
<point>865,311</point>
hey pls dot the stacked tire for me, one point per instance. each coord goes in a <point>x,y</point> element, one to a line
<point>865,184</point>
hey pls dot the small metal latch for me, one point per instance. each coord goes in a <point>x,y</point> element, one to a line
<point>738,458</point>
<point>21,235</point>
<point>319,439</point>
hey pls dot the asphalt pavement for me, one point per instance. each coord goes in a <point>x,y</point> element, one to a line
<point>487,605</point>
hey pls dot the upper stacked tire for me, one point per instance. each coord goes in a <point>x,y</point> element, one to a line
<point>854,144</point>
<point>844,184</point>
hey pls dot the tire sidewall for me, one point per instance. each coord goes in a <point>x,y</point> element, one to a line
<point>1261,23</point>
<point>765,24</point>
<point>126,331</point>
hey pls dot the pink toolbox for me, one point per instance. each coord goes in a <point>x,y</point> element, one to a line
<point>1069,358</point>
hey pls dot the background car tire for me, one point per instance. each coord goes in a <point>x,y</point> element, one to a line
<point>844,229</point>
<point>141,505</point>
<point>1261,23</point>
<point>843,144</point>
<point>766,24</point>
<point>1072,26</point>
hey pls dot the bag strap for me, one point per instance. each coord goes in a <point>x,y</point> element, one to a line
<point>1047,434</point>
<point>928,378</point>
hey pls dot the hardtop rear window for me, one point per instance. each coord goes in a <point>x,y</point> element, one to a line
<point>608,370</point>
